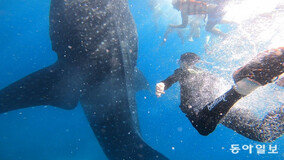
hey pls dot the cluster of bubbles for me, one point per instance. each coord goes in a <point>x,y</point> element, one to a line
<point>258,28</point>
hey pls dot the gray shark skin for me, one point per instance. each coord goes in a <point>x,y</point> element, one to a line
<point>96,44</point>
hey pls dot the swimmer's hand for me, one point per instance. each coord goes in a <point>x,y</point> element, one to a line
<point>160,89</point>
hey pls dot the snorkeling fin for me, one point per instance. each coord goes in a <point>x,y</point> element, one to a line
<point>48,86</point>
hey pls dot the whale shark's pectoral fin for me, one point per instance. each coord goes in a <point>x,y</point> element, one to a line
<point>140,81</point>
<point>48,86</point>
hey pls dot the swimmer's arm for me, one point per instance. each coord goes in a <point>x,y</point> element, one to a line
<point>172,79</point>
<point>165,84</point>
<point>184,17</point>
<point>169,81</point>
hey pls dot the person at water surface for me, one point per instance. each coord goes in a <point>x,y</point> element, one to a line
<point>192,7</point>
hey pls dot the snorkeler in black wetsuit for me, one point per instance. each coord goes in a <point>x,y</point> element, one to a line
<point>195,89</point>
<point>198,88</point>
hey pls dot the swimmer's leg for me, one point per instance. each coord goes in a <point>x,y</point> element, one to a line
<point>194,33</point>
<point>190,36</point>
<point>168,31</point>
<point>249,125</point>
<point>207,119</point>
<point>210,27</point>
<point>180,35</point>
<point>256,73</point>
<point>214,18</point>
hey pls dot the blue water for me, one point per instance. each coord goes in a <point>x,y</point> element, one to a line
<point>49,133</point>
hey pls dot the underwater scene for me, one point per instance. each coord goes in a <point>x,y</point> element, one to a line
<point>141,79</point>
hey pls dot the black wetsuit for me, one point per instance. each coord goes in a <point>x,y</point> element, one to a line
<point>197,88</point>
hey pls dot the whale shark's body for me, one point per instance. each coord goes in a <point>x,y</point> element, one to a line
<point>96,44</point>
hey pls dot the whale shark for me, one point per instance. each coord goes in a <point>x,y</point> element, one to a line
<point>96,44</point>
